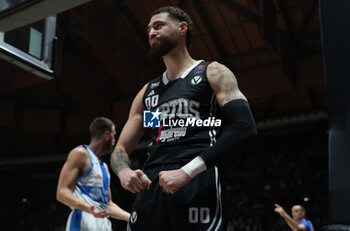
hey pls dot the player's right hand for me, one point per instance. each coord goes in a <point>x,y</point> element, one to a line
<point>279,209</point>
<point>134,180</point>
<point>98,213</point>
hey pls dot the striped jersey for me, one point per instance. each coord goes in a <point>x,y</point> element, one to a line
<point>92,187</point>
<point>182,103</point>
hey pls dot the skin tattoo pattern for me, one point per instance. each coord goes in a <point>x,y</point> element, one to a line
<point>120,160</point>
<point>223,79</point>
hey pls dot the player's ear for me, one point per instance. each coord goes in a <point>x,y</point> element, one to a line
<point>183,27</point>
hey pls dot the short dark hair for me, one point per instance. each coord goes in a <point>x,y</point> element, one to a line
<point>302,207</point>
<point>99,125</point>
<point>179,15</point>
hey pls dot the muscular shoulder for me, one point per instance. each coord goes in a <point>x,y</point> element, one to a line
<point>218,74</point>
<point>137,104</point>
<point>78,157</point>
<point>216,66</point>
<point>141,93</point>
<point>144,88</point>
<point>224,83</point>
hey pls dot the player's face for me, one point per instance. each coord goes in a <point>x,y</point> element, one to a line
<point>297,213</point>
<point>162,34</point>
<point>111,139</point>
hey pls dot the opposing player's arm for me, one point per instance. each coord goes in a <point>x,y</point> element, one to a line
<point>291,223</point>
<point>130,135</point>
<point>115,211</point>
<point>75,163</point>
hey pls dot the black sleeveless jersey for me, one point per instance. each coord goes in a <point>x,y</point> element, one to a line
<point>182,103</point>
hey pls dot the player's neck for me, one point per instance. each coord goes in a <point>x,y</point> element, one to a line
<point>177,62</point>
<point>97,147</point>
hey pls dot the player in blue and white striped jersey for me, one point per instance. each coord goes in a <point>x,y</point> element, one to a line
<point>84,182</point>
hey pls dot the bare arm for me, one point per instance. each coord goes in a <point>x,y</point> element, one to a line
<point>224,83</point>
<point>115,211</point>
<point>291,223</point>
<point>130,135</point>
<point>77,161</point>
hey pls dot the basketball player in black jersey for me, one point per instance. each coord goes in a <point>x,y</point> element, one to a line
<point>179,187</point>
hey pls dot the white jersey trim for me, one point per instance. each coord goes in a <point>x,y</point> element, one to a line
<point>212,131</point>
<point>166,80</point>
<point>218,212</point>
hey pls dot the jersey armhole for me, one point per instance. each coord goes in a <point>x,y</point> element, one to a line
<point>88,170</point>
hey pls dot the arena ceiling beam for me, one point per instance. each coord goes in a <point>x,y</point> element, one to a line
<point>241,10</point>
<point>211,30</point>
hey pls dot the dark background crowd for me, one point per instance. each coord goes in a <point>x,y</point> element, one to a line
<point>288,170</point>
<point>285,168</point>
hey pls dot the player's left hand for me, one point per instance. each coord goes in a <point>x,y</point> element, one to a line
<point>172,180</point>
<point>98,213</point>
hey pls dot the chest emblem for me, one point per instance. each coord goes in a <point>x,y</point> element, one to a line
<point>196,79</point>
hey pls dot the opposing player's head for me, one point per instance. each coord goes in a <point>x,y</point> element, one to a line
<point>103,129</point>
<point>298,212</point>
<point>168,28</point>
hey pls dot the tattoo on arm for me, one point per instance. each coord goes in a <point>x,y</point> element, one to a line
<point>119,160</point>
<point>225,82</point>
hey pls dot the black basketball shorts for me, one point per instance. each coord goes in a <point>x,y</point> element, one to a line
<point>195,206</point>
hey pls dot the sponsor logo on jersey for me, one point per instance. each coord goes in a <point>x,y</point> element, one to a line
<point>196,79</point>
<point>172,134</point>
<point>156,84</point>
<point>151,118</point>
<point>199,69</point>
<point>99,177</point>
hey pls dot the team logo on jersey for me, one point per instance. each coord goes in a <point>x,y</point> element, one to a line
<point>199,69</point>
<point>151,118</point>
<point>196,79</point>
<point>133,217</point>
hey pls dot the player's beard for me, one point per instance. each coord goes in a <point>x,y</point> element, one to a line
<point>164,46</point>
<point>109,145</point>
